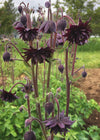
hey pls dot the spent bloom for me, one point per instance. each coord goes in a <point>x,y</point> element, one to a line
<point>38,55</point>
<point>78,34</point>
<point>8,96</point>
<point>61,124</point>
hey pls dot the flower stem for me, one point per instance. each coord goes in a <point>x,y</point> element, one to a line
<point>73,64</point>
<point>29,112</point>
<point>15,85</point>
<point>43,130</point>
<point>67,82</point>
<point>57,107</point>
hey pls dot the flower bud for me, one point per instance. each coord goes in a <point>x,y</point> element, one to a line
<point>84,74</point>
<point>20,9</point>
<point>29,135</point>
<point>27,122</point>
<point>61,25</point>
<point>6,56</point>
<point>49,107</point>
<point>47,4</point>
<point>58,89</point>
<point>61,68</point>
<point>21,109</point>
<point>23,20</point>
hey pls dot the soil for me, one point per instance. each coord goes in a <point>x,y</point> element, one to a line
<point>91,87</point>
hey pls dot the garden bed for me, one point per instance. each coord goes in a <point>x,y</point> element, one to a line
<point>91,87</point>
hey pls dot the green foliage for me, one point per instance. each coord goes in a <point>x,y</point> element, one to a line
<point>7,17</point>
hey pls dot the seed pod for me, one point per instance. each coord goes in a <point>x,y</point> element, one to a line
<point>20,9</point>
<point>84,74</point>
<point>61,68</point>
<point>29,135</point>
<point>23,20</point>
<point>49,107</point>
<point>47,4</point>
<point>6,56</point>
<point>61,25</point>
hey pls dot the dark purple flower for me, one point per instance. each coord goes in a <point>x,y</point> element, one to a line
<point>49,107</point>
<point>61,25</point>
<point>84,74</point>
<point>78,34</point>
<point>25,33</point>
<point>48,27</point>
<point>27,88</point>
<point>29,135</point>
<point>38,55</point>
<point>61,68</point>
<point>8,96</point>
<point>6,56</point>
<point>47,4</point>
<point>61,124</point>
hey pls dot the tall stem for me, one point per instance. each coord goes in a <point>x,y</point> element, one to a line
<point>29,112</point>
<point>73,64</point>
<point>15,85</point>
<point>36,91</point>
<point>67,82</point>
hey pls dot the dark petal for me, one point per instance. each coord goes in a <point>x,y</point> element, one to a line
<point>49,107</point>
<point>6,56</point>
<point>61,124</point>
<point>23,19</point>
<point>61,25</point>
<point>43,26</point>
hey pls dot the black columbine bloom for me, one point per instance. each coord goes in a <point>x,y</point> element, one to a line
<point>48,27</point>
<point>61,25</point>
<point>6,56</point>
<point>8,96</point>
<point>78,34</point>
<point>25,33</point>
<point>27,88</point>
<point>61,124</point>
<point>29,135</point>
<point>38,55</point>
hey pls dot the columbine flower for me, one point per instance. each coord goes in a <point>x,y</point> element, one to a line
<point>61,124</point>
<point>48,27</point>
<point>29,135</point>
<point>25,33</point>
<point>61,25</point>
<point>20,9</point>
<point>27,88</point>
<point>38,55</point>
<point>78,34</point>
<point>8,96</point>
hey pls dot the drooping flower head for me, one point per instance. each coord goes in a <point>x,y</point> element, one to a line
<point>78,34</point>
<point>60,125</point>
<point>38,55</point>
<point>25,33</point>
<point>8,96</point>
<point>61,25</point>
<point>48,27</point>
<point>47,4</point>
